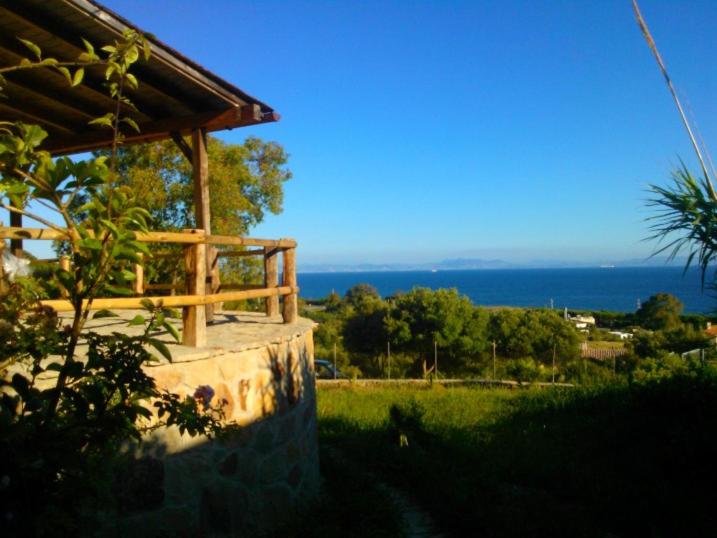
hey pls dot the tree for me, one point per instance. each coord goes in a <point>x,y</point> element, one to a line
<point>660,312</point>
<point>533,333</point>
<point>364,328</point>
<point>357,293</point>
<point>245,182</point>
<point>423,316</point>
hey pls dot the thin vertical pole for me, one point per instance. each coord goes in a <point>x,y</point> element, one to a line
<point>271,279</point>
<point>289,279</point>
<point>334,360</point>
<point>388,353</point>
<point>494,360</point>
<point>138,286</point>
<point>65,266</point>
<point>435,357</point>
<point>16,244</point>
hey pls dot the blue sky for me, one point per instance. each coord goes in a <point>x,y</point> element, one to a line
<point>424,130</point>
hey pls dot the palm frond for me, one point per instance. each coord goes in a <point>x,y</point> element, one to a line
<point>685,209</point>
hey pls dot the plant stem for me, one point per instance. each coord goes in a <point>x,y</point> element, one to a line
<point>653,47</point>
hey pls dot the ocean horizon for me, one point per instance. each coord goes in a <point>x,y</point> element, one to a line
<point>595,288</point>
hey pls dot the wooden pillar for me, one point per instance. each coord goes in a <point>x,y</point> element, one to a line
<point>194,332</point>
<point>138,285</point>
<point>16,244</point>
<point>213,280</point>
<point>289,279</point>
<point>202,211</point>
<point>65,266</point>
<point>271,279</point>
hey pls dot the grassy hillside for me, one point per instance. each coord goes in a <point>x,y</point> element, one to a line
<point>617,461</point>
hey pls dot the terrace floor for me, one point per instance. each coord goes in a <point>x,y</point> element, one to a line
<point>230,331</point>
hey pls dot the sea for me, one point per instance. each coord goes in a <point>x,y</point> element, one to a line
<point>619,289</point>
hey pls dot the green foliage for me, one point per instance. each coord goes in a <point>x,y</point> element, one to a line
<point>359,293</point>
<point>686,218</point>
<point>524,370</point>
<point>542,460</point>
<point>245,182</point>
<point>423,316</point>
<point>362,324</point>
<point>534,333</point>
<point>661,311</point>
<point>65,410</point>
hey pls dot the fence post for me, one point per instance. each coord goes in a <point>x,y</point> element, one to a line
<point>213,280</point>
<point>16,244</point>
<point>271,279</point>
<point>138,285</point>
<point>65,266</point>
<point>289,279</point>
<point>194,331</point>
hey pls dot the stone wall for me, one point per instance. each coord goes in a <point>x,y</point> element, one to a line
<point>250,481</point>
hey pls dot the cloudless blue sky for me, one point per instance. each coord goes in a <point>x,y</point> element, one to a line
<point>430,129</point>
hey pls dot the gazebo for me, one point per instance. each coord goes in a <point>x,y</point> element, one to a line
<point>176,99</point>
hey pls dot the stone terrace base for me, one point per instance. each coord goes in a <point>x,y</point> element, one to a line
<point>260,474</point>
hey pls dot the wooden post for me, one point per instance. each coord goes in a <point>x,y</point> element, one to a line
<point>435,358</point>
<point>494,359</point>
<point>16,244</point>
<point>388,355</point>
<point>334,360</point>
<point>65,266</point>
<point>213,280</point>
<point>289,279</point>
<point>138,286</point>
<point>271,279</point>
<point>194,333</point>
<point>202,212</point>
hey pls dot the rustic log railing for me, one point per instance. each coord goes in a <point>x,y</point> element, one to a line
<point>202,290</point>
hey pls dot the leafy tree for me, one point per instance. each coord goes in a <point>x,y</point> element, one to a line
<point>648,343</point>
<point>661,311</point>
<point>357,293</point>
<point>333,301</point>
<point>423,316</point>
<point>245,182</point>
<point>533,333</point>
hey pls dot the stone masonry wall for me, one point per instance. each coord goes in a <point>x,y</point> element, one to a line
<point>243,485</point>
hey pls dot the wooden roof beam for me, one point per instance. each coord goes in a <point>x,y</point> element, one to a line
<point>30,117</point>
<point>185,148</point>
<point>55,31</point>
<point>157,130</point>
<point>87,86</point>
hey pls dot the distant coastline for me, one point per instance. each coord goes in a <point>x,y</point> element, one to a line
<point>582,288</point>
<point>473,264</point>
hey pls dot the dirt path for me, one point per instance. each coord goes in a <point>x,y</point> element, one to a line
<point>417,523</point>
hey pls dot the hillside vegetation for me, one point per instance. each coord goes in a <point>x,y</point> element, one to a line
<point>621,460</point>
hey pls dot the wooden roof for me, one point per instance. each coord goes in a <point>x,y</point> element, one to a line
<point>175,94</point>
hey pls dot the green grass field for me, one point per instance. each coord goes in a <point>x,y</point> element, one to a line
<point>611,461</point>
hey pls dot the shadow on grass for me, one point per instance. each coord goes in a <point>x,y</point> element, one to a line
<point>350,505</point>
<point>619,461</point>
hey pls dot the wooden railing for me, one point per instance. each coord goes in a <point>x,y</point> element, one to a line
<point>202,289</point>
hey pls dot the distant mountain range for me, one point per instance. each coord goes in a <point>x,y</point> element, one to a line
<point>462,264</point>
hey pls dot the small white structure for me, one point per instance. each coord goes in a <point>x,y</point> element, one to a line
<point>582,322</point>
<point>621,335</point>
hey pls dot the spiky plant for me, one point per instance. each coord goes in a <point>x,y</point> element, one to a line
<point>686,220</point>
